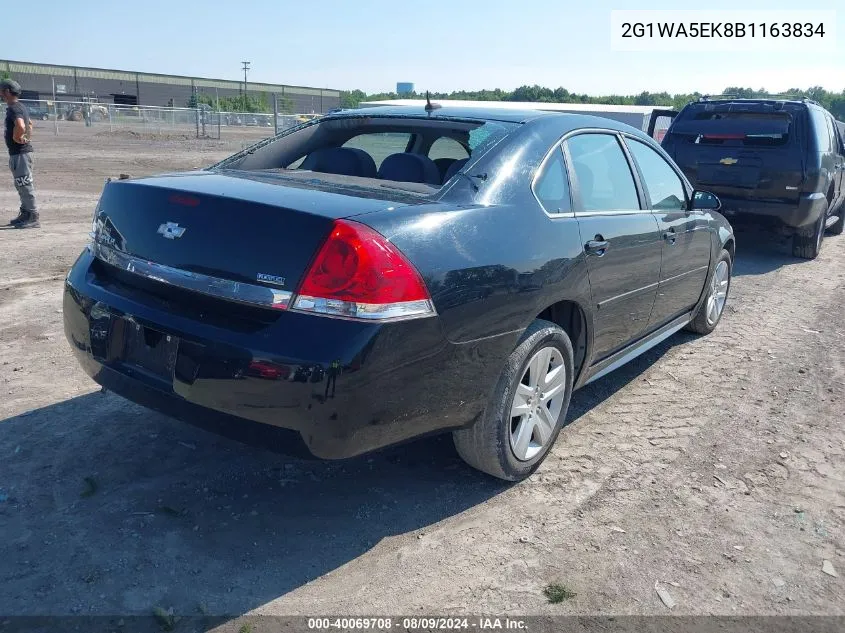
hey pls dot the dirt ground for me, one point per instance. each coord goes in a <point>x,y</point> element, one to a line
<point>712,465</point>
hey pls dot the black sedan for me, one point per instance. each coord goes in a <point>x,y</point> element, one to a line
<point>376,275</point>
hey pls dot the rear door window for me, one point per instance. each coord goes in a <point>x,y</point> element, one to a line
<point>664,187</point>
<point>605,182</point>
<point>380,145</point>
<point>446,147</point>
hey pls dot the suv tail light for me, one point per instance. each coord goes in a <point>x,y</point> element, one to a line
<point>359,274</point>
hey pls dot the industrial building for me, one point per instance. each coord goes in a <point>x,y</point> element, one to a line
<point>136,88</point>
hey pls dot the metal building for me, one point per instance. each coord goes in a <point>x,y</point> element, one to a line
<point>136,88</point>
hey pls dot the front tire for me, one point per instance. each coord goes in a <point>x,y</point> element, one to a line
<point>710,312</point>
<point>528,407</point>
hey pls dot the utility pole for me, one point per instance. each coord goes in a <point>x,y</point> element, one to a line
<point>246,68</point>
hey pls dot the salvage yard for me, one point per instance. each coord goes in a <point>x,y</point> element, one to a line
<point>712,468</point>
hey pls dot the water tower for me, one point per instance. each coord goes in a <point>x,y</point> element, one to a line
<point>404,88</point>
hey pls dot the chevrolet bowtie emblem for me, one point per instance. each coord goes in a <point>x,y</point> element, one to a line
<point>729,161</point>
<point>171,230</point>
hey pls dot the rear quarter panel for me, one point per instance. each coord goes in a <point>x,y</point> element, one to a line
<point>491,270</point>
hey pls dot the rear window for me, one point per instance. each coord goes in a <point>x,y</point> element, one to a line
<point>359,147</point>
<point>380,145</point>
<point>743,128</point>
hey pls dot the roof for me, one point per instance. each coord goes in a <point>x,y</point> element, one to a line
<point>89,72</point>
<point>523,105</point>
<point>447,111</point>
<point>562,121</point>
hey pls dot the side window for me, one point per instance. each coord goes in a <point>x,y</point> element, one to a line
<point>834,135</point>
<point>840,135</point>
<point>604,177</point>
<point>665,189</point>
<point>446,147</point>
<point>380,145</point>
<point>552,185</point>
<point>820,130</point>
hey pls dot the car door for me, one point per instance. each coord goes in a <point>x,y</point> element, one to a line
<point>659,121</point>
<point>622,243</point>
<point>685,234</point>
<point>839,164</point>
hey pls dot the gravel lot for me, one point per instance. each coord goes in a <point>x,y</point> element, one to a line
<point>714,466</point>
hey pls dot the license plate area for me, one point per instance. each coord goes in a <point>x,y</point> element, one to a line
<point>149,350</point>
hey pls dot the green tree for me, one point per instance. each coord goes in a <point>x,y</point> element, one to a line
<point>834,102</point>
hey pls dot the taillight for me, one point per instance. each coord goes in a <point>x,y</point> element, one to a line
<point>359,274</point>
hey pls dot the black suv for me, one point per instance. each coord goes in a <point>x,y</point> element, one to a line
<point>767,158</point>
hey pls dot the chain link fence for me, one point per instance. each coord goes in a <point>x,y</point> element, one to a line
<point>65,117</point>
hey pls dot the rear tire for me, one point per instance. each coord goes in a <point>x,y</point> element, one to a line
<point>836,227</point>
<point>808,244</point>
<point>521,423</point>
<point>713,307</point>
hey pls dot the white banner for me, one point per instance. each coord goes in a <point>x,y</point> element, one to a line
<point>721,31</point>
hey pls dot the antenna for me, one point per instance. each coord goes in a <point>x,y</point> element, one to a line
<point>429,106</point>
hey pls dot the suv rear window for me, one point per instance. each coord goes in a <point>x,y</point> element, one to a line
<point>726,127</point>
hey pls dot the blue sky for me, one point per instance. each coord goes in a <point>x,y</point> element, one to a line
<point>372,44</point>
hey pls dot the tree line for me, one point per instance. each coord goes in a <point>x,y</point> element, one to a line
<point>834,102</point>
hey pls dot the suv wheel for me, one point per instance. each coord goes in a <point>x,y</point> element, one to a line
<point>836,227</point>
<point>710,312</point>
<point>807,244</point>
<point>527,409</point>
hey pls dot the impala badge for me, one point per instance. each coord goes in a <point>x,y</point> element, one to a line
<point>270,279</point>
<point>729,161</point>
<point>171,230</point>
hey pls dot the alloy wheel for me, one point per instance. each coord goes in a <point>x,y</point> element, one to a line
<point>718,292</point>
<point>537,403</point>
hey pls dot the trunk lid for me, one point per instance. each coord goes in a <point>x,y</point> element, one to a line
<point>242,226</point>
<point>748,151</point>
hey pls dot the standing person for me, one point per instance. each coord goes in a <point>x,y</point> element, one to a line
<point>17,131</point>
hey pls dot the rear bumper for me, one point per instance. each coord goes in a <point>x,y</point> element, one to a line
<point>397,381</point>
<point>798,215</point>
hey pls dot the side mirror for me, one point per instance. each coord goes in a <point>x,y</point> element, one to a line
<point>704,200</point>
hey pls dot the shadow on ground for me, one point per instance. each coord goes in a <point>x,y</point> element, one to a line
<point>108,508</point>
<point>111,509</point>
<point>761,250</point>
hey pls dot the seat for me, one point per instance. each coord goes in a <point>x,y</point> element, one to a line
<point>443,165</point>
<point>368,165</point>
<point>408,167</point>
<point>345,161</point>
<point>454,168</point>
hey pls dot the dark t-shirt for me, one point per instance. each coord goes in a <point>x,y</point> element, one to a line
<point>14,112</point>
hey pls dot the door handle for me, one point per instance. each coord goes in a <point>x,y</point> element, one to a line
<point>597,246</point>
<point>670,236</point>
